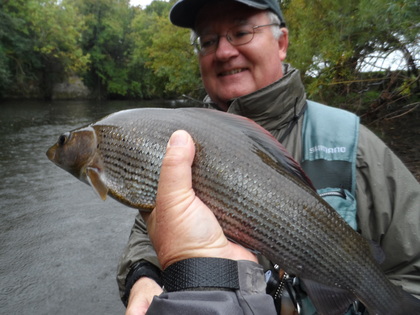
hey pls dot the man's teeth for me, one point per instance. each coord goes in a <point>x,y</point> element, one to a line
<point>232,71</point>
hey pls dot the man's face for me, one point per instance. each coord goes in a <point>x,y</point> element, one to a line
<point>234,71</point>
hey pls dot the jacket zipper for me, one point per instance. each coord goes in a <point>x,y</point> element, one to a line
<point>334,194</point>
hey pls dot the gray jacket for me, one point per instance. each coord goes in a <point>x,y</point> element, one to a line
<point>388,195</point>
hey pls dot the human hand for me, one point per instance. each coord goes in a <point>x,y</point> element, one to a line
<point>182,226</point>
<point>141,296</point>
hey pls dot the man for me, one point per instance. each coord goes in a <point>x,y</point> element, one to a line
<point>241,48</point>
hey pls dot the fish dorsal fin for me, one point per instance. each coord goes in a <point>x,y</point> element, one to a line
<point>94,177</point>
<point>279,154</point>
<point>328,300</point>
<point>264,141</point>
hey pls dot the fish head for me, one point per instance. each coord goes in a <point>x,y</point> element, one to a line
<point>74,151</point>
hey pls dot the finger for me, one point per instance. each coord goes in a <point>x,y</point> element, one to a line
<point>175,182</point>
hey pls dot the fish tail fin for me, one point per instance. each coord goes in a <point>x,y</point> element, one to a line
<point>403,303</point>
<point>328,300</point>
<point>409,304</point>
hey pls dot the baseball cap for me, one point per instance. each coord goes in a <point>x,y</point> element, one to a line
<point>184,12</point>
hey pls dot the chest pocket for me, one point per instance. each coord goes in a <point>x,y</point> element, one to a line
<point>330,138</point>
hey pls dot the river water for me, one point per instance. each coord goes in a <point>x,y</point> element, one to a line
<point>59,243</point>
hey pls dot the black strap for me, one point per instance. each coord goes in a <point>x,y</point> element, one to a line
<point>138,270</point>
<point>201,273</point>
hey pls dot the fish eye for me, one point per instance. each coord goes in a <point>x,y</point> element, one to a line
<point>63,138</point>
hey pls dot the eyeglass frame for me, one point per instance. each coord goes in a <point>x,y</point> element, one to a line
<point>197,45</point>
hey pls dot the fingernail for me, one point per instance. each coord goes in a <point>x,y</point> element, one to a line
<point>178,139</point>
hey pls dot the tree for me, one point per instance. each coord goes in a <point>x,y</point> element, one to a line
<point>162,53</point>
<point>145,84</point>
<point>13,44</point>
<point>57,30</point>
<point>334,44</point>
<point>39,44</point>
<point>173,58</point>
<point>106,41</point>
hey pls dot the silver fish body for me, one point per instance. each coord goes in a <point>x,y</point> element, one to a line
<point>256,191</point>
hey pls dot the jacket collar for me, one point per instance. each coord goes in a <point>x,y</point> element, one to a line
<point>274,106</point>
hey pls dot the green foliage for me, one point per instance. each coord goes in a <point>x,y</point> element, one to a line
<point>57,30</point>
<point>105,40</point>
<point>172,57</point>
<point>334,43</point>
<point>39,44</point>
<point>162,55</point>
<point>15,44</point>
<point>131,52</point>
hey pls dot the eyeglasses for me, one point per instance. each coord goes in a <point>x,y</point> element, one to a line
<point>237,36</point>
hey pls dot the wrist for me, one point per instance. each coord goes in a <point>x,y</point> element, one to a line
<point>140,269</point>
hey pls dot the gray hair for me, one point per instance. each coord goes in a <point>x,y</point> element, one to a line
<point>277,32</point>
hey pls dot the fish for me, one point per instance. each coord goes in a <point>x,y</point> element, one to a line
<point>259,194</point>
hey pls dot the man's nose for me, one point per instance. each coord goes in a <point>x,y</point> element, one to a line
<point>225,49</point>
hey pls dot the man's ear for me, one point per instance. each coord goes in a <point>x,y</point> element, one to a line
<point>283,43</point>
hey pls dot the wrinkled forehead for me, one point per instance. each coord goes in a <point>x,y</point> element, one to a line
<point>216,15</point>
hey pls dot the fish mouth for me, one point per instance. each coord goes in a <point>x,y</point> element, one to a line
<point>51,153</point>
<point>231,72</point>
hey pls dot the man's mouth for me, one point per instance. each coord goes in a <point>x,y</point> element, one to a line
<point>230,72</point>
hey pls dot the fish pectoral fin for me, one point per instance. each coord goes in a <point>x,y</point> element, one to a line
<point>94,177</point>
<point>328,300</point>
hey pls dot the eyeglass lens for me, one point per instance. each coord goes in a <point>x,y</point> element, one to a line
<point>237,35</point>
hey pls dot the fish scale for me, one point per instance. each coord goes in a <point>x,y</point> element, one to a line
<point>255,189</point>
<point>294,237</point>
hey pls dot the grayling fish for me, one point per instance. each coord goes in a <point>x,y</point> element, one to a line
<point>258,193</point>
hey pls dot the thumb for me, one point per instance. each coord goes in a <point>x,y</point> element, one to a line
<point>175,180</point>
